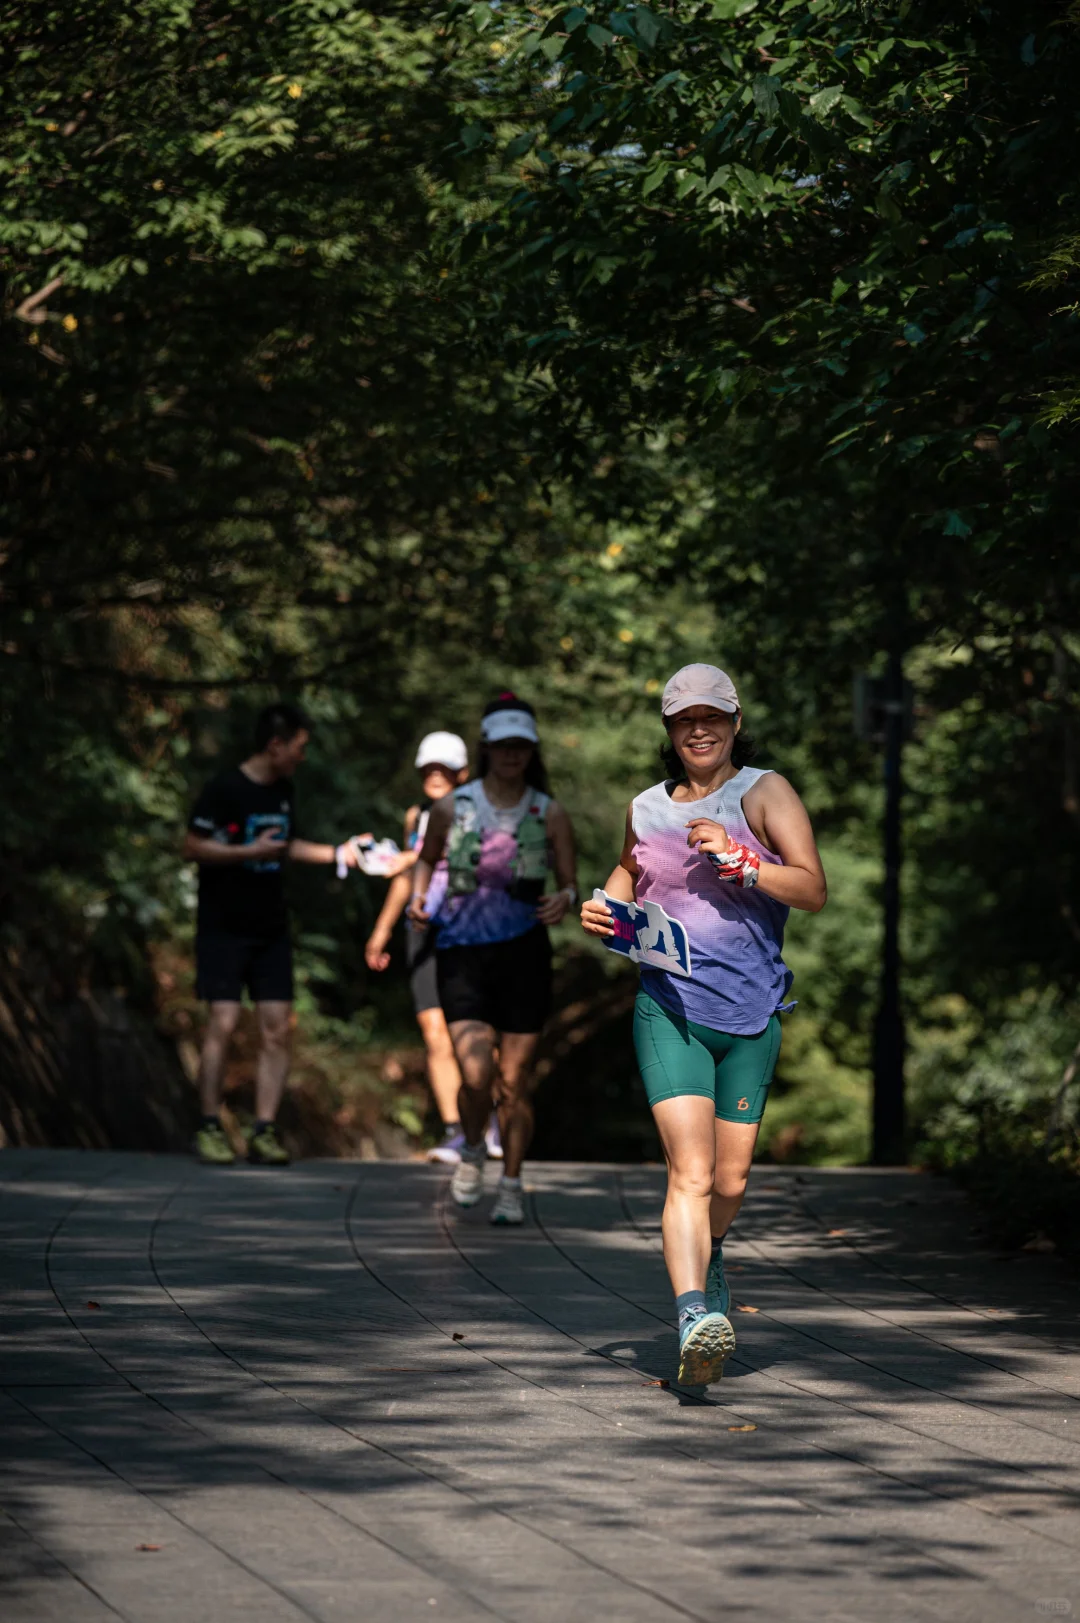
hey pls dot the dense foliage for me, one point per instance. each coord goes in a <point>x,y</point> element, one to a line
<point>385,355</point>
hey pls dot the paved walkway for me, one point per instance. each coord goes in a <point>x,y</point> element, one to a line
<point>321,1395</point>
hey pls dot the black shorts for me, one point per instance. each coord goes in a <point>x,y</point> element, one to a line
<point>506,984</point>
<point>226,964</point>
<point>420,956</point>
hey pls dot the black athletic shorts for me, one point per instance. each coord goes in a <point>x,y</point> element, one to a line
<point>226,964</point>
<point>420,956</point>
<point>506,984</point>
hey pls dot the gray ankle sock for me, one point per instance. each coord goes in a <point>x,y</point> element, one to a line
<point>690,1306</point>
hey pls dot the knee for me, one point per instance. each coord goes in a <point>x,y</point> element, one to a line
<point>437,1042</point>
<point>274,1032</point>
<point>692,1177</point>
<point>223,1021</point>
<point>730,1182</point>
<point>513,1084</point>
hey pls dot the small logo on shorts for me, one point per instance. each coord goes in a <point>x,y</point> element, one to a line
<point>743,1104</point>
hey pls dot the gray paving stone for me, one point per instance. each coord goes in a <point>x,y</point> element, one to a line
<point>268,1387</point>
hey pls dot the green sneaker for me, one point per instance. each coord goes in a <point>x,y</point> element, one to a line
<point>717,1289</point>
<point>265,1148</point>
<point>213,1147</point>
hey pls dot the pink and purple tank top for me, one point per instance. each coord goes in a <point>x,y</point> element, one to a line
<point>738,975</point>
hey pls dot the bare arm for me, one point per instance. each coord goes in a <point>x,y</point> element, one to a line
<point>395,903</point>
<point>439,820</point>
<point>560,832</point>
<point>780,821</point>
<point>596,916</point>
<point>212,854</point>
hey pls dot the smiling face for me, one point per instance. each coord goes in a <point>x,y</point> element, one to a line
<point>703,738</point>
<point>509,758</point>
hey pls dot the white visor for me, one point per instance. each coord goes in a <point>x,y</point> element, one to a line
<point>502,724</point>
<point>442,749</point>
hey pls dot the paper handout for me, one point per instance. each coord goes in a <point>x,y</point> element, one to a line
<point>645,934</point>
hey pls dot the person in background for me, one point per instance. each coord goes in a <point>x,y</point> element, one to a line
<point>242,832</point>
<point>443,763</point>
<point>498,837</point>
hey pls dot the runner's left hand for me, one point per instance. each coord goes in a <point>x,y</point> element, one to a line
<point>554,908</point>
<point>706,835</point>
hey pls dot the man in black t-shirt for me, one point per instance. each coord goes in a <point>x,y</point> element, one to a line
<point>241,832</point>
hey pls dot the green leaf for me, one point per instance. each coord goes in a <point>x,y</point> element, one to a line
<point>825,100</point>
<point>767,97</point>
<point>954,525</point>
<point>724,10</point>
<point>646,27</point>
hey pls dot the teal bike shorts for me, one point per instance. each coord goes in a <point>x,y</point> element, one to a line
<point>677,1057</point>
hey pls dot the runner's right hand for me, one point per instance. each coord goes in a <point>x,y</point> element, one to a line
<point>268,844</point>
<point>376,956</point>
<point>596,918</point>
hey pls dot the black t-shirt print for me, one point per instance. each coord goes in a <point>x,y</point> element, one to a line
<point>243,898</point>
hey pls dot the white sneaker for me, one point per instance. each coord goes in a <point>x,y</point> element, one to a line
<point>509,1206</point>
<point>467,1184</point>
<point>493,1140</point>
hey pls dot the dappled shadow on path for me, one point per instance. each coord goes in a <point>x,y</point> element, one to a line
<point>417,1394</point>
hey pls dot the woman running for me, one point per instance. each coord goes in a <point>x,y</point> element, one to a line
<point>499,835</point>
<point>725,849</point>
<point>443,762</point>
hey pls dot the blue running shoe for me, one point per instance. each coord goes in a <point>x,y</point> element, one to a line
<point>717,1289</point>
<point>704,1349</point>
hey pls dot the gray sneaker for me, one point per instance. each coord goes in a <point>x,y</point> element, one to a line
<point>467,1184</point>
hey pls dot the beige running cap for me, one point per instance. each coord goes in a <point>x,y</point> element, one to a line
<point>699,684</point>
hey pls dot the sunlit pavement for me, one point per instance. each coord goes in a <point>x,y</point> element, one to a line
<point>321,1394</point>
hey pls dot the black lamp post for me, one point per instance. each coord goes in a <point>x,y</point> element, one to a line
<point>883,708</point>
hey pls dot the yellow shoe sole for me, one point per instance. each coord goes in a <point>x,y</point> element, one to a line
<point>706,1350</point>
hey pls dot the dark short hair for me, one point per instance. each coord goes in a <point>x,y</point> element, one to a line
<point>282,721</point>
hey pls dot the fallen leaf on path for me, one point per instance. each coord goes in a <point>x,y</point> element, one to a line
<point>458,1336</point>
<point>148,1546</point>
<point>742,1428</point>
<point>834,1234</point>
<point>96,1306</point>
<point>657,1383</point>
<point>744,1309</point>
<point>1041,1242</point>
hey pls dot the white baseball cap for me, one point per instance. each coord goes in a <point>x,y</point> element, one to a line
<point>442,749</point>
<point>699,684</point>
<point>503,724</point>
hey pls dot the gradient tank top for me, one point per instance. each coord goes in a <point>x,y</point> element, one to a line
<point>738,975</point>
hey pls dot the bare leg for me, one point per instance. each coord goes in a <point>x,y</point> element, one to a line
<point>443,1072</point>
<point>516,1053</point>
<point>687,1134</point>
<point>215,1051</point>
<point>735,1142</point>
<point>474,1045</point>
<point>272,1065</point>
